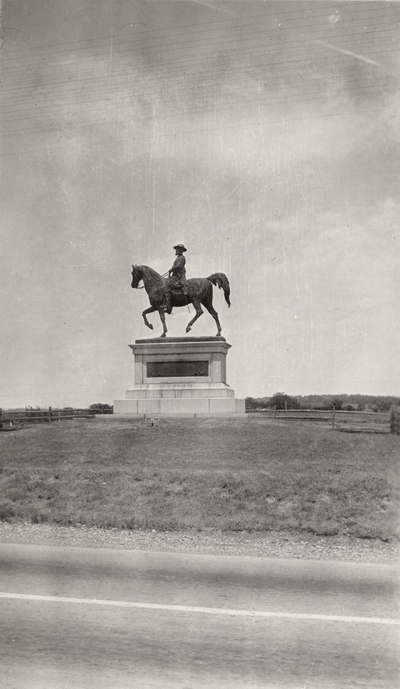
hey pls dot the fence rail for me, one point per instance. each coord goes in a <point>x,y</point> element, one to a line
<point>10,418</point>
<point>337,418</point>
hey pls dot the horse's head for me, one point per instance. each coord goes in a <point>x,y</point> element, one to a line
<point>136,276</point>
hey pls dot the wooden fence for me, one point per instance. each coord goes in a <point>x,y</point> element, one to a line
<point>337,419</point>
<point>14,418</point>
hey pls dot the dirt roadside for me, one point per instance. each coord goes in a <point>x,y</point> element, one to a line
<point>280,545</point>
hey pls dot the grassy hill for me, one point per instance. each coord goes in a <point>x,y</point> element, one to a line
<point>244,474</point>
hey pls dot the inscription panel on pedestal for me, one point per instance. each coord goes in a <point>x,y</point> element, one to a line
<point>172,369</point>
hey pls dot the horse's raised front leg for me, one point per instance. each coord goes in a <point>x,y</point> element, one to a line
<point>162,316</point>
<point>151,309</point>
<point>199,312</point>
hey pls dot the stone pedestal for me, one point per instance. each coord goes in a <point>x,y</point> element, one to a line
<point>182,376</point>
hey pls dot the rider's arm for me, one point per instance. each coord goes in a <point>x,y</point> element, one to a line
<point>177,264</point>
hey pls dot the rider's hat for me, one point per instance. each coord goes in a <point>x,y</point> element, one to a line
<point>180,246</point>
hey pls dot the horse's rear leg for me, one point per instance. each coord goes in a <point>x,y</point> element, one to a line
<point>162,316</point>
<point>212,311</point>
<point>199,312</point>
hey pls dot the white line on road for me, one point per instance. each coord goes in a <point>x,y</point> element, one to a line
<point>205,611</point>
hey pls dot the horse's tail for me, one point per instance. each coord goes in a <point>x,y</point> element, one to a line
<point>220,280</point>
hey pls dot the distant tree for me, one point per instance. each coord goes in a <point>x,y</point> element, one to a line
<point>383,405</point>
<point>337,403</point>
<point>256,402</point>
<point>359,402</point>
<point>102,408</point>
<point>282,401</point>
<point>251,403</point>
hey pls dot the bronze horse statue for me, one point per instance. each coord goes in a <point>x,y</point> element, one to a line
<point>199,292</point>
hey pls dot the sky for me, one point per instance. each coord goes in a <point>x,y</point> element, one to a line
<point>265,136</point>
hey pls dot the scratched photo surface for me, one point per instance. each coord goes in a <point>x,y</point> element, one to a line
<point>264,136</point>
<point>199,553</point>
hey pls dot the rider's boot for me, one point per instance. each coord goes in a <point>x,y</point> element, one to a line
<point>168,302</point>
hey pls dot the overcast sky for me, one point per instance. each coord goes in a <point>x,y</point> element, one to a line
<point>263,135</point>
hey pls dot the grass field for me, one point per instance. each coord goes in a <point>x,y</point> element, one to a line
<point>245,474</point>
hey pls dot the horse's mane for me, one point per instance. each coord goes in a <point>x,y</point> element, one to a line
<point>149,270</point>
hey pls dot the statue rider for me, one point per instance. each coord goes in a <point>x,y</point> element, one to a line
<point>176,277</point>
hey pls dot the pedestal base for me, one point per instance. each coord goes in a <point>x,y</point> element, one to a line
<point>182,376</point>
<point>168,406</point>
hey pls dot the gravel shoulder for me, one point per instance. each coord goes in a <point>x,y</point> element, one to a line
<point>268,544</point>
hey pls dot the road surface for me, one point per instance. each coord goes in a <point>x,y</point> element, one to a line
<point>90,618</point>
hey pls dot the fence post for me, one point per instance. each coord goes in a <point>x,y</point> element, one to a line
<point>49,414</point>
<point>394,420</point>
<point>274,410</point>
<point>391,419</point>
<point>333,416</point>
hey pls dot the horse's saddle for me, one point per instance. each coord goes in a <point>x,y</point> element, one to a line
<point>179,288</point>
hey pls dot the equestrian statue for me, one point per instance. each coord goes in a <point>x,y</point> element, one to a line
<point>173,290</point>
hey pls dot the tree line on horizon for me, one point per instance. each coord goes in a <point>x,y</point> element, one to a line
<point>101,406</point>
<point>281,400</point>
<point>357,402</point>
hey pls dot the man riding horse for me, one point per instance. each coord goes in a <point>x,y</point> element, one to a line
<point>176,277</point>
<point>197,291</point>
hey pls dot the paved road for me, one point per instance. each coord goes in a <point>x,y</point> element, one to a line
<point>85,618</point>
